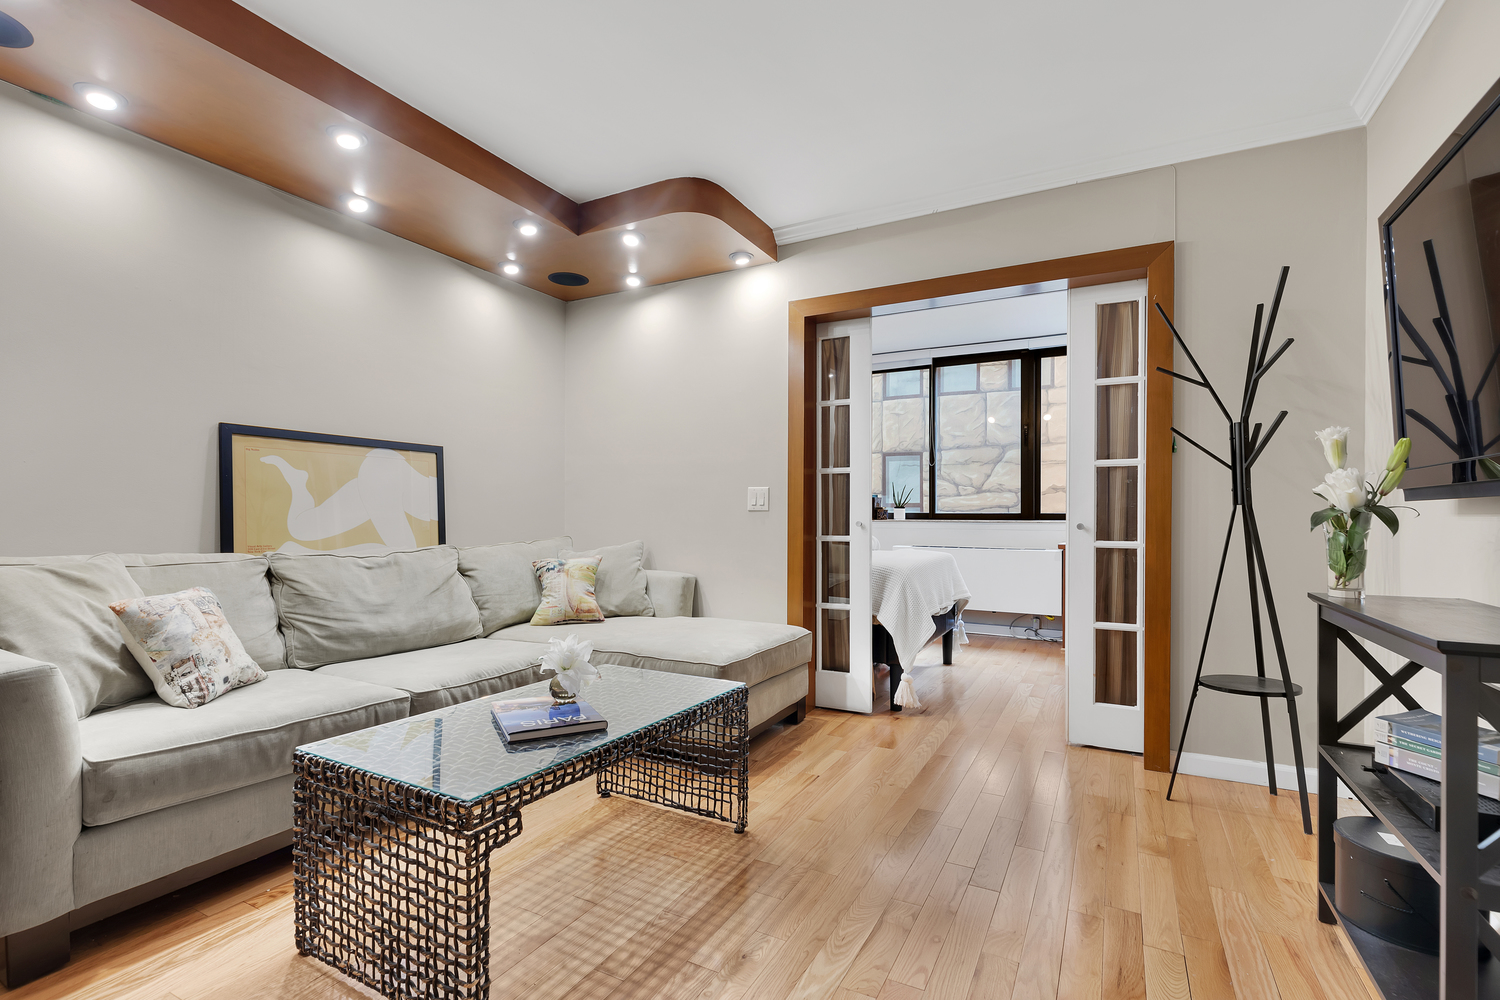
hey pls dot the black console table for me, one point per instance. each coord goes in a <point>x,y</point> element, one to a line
<point>1461,641</point>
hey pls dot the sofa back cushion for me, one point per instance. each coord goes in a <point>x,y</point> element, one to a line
<point>620,586</point>
<point>336,607</point>
<point>57,610</point>
<point>241,583</point>
<point>503,581</point>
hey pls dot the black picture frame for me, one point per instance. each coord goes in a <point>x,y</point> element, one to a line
<point>227,433</point>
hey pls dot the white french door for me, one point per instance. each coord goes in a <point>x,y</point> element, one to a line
<point>845,674</point>
<point>1106,507</point>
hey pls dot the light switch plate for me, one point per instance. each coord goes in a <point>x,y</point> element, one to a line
<point>758,498</point>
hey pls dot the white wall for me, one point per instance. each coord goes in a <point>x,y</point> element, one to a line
<point>1453,548</point>
<point>146,295</point>
<point>677,394</point>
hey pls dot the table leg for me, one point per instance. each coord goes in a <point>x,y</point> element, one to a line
<point>698,761</point>
<point>395,901</point>
<point>1328,718</point>
<point>1458,963</point>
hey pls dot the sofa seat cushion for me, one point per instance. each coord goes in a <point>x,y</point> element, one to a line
<point>747,652</point>
<point>148,755</point>
<point>448,675</point>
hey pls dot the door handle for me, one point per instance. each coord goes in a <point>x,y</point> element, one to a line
<point>1081,526</point>
<point>859,524</point>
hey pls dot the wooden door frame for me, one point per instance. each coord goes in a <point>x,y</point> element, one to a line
<point>1154,262</point>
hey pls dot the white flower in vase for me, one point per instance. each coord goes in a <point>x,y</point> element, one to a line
<point>1342,488</point>
<point>568,660</point>
<point>1335,442</point>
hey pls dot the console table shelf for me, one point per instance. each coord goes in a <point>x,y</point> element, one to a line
<point>1460,640</point>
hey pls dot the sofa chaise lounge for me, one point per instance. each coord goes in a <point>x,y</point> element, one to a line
<point>110,797</point>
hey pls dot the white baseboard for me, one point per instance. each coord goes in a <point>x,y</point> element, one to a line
<point>1250,772</point>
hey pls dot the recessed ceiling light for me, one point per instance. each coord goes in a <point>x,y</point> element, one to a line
<point>346,137</point>
<point>512,269</point>
<point>527,228</point>
<point>100,97</point>
<point>631,239</point>
<point>357,204</point>
<point>633,281</point>
<point>1046,416</point>
<point>741,257</point>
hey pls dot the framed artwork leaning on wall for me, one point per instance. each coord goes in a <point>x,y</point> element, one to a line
<point>294,491</point>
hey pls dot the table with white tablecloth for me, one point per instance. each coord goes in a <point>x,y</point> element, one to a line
<point>915,595</point>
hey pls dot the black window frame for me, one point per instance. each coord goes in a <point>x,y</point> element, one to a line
<point>1031,418</point>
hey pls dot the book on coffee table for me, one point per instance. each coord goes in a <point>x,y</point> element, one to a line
<point>538,718</point>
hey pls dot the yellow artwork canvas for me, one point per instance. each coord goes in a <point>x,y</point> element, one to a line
<point>306,494</point>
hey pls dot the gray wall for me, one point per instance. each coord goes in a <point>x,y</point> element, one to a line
<point>677,395</point>
<point>146,295</point>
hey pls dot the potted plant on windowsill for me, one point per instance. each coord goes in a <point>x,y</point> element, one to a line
<point>901,499</point>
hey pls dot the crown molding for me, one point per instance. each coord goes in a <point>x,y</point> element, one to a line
<point>1408,30</point>
<point>1335,119</point>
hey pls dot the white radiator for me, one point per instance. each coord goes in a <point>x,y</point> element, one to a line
<point>1019,581</point>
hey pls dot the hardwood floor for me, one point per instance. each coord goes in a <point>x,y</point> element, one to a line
<point>961,852</point>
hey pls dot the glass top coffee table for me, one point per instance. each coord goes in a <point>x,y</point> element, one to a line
<point>394,825</point>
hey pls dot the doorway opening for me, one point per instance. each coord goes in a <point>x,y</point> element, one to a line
<point>817,560</point>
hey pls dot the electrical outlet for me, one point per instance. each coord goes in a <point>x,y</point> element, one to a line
<point>758,498</point>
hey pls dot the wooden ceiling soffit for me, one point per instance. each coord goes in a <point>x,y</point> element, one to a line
<point>216,81</point>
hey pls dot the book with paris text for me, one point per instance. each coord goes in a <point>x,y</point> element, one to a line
<point>525,719</point>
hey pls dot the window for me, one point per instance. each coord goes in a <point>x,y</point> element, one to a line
<point>1001,435</point>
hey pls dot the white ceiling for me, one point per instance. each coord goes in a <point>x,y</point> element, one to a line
<point>828,115</point>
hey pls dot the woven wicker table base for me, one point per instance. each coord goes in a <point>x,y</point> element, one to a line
<point>392,878</point>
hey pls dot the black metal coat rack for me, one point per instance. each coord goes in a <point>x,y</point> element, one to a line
<point>1244,449</point>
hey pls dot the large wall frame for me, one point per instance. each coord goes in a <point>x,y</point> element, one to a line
<point>1155,263</point>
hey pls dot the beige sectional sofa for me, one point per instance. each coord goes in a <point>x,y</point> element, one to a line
<point>104,806</point>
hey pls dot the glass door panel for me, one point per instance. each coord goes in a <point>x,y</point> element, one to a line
<point>1106,504</point>
<point>1118,435</point>
<point>843,676</point>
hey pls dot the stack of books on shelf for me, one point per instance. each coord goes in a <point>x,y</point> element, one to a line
<point>1413,742</point>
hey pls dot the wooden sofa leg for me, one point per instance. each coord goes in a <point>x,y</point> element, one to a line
<point>800,713</point>
<point>32,953</point>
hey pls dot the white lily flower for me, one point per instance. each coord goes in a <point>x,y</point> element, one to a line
<point>1335,441</point>
<point>569,660</point>
<point>1342,488</point>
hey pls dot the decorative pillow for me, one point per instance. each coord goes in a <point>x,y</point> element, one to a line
<point>185,645</point>
<point>57,611</point>
<point>621,585</point>
<point>567,591</point>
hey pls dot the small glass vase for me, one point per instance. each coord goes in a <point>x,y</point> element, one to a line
<point>1347,554</point>
<point>560,694</point>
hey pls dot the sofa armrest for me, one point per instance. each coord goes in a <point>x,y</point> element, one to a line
<point>41,798</point>
<point>671,593</point>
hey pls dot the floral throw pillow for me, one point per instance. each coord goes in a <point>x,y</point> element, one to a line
<point>185,645</point>
<point>567,591</point>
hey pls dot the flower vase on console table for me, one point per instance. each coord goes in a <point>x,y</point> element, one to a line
<point>1352,504</point>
